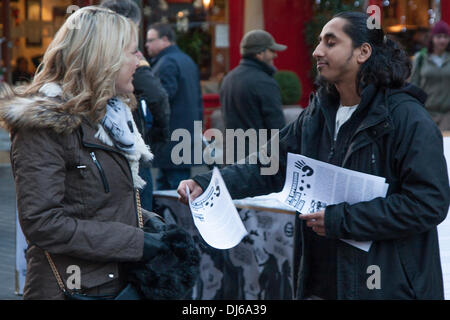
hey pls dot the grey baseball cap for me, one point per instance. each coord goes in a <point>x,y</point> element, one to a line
<point>256,41</point>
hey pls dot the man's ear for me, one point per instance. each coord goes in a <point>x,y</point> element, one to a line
<point>165,39</point>
<point>365,53</point>
<point>260,55</point>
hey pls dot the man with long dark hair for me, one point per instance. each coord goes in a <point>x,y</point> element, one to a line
<point>363,117</point>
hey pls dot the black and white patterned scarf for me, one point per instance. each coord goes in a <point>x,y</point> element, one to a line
<point>118,123</point>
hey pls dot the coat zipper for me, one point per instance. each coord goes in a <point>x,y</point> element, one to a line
<point>333,144</point>
<point>102,173</point>
<point>331,154</point>
<point>92,145</point>
<point>373,161</point>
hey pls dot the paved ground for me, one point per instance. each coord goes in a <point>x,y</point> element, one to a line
<point>7,234</point>
<point>7,223</point>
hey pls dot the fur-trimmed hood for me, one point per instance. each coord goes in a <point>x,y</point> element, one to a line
<point>40,111</point>
<point>43,111</point>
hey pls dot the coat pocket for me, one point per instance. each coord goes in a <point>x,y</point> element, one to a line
<point>407,269</point>
<point>98,275</point>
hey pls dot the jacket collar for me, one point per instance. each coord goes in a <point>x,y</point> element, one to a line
<point>170,49</point>
<point>372,108</point>
<point>255,63</point>
<point>369,108</point>
<point>88,131</point>
<point>330,104</point>
<point>445,56</point>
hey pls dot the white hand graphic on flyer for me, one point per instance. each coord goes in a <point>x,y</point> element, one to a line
<point>311,185</point>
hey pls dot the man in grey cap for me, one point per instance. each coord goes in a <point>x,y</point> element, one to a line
<point>249,95</point>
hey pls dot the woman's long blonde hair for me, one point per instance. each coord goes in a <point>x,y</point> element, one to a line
<point>84,58</point>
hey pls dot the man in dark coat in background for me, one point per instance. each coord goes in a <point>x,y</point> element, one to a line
<point>249,95</point>
<point>154,113</point>
<point>180,77</point>
<point>363,117</point>
<point>152,117</point>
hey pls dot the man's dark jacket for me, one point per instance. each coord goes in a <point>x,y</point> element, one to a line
<point>147,87</point>
<point>180,77</point>
<point>251,98</point>
<point>389,135</point>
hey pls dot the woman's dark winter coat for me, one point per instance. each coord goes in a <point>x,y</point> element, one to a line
<point>75,198</point>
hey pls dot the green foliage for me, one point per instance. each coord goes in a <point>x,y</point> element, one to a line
<point>322,12</point>
<point>195,43</point>
<point>290,86</point>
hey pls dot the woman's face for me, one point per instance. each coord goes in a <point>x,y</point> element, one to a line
<point>124,81</point>
<point>440,42</point>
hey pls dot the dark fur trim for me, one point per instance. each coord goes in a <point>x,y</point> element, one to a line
<point>171,274</point>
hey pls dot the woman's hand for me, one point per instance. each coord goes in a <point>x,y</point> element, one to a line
<point>194,189</point>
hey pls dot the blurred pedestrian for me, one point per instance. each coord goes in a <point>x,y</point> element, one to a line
<point>181,78</point>
<point>20,74</point>
<point>431,72</point>
<point>153,110</point>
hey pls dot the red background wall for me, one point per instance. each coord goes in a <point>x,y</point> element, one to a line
<point>445,10</point>
<point>236,31</point>
<point>285,20</point>
<point>288,31</point>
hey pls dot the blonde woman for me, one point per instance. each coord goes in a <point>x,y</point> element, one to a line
<point>75,153</point>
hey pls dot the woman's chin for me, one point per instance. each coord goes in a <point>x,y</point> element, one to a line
<point>125,90</point>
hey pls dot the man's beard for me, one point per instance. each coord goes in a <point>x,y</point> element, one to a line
<point>328,84</point>
<point>321,81</point>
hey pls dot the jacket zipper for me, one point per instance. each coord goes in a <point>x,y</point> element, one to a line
<point>373,159</point>
<point>102,173</point>
<point>331,154</point>
<point>332,149</point>
<point>92,145</point>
